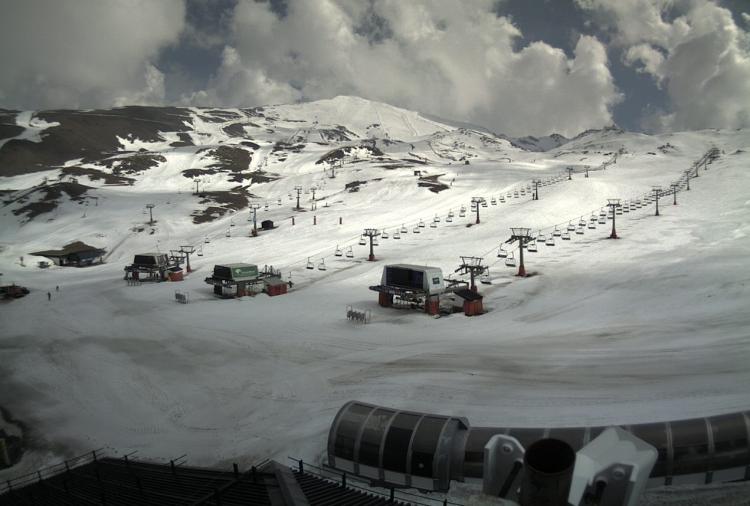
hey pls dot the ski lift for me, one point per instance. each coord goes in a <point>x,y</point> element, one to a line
<point>593,218</point>
<point>523,191</point>
<point>581,222</point>
<point>338,252</point>
<point>396,234</point>
<point>515,195</point>
<point>266,206</point>
<point>557,232</point>
<point>592,225</point>
<point>602,220</point>
<point>484,203</point>
<point>433,224</point>
<point>580,230</point>
<point>509,195</point>
<point>602,212</point>
<point>278,201</point>
<point>502,252</point>
<point>463,209</point>
<point>510,260</point>
<point>200,251</point>
<point>416,230</point>
<point>485,278</point>
<point>310,265</point>
<point>384,235</point>
<point>462,214</point>
<point>326,204</point>
<point>618,211</point>
<point>540,236</point>
<point>571,227</point>
<point>565,236</point>
<point>374,241</point>
<point>550,241</point>
<point>502,200</point>
<point>436,219</point>
<point>493,201</point>
<point>322,264</point>
<point>349,252</point>
<point>231,222</point>
<point>449,219</point>
<point>450,213</point>
<point>421,224</point>
<point>403,229</point>
<point>229,233</point>
<point>531,247</point>
<point>626,208</point>
<point>207,240</point>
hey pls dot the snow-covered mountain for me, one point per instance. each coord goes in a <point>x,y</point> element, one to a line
<point>649,327</point>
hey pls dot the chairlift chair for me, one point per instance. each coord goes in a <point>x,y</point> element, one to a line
<point>502,200</point>
<point>384,235</point>
<point>485,278</point>
<point>207,240</point>
<point>602,212</point>
<point>338,252</point>
<point>231,222</point>
<point>433,225</point>
<point>550,241</point>
<point>200,251</point>
<point>592,225</point>
<point>374,241</point>
<point>580,230</point>
<point>421,224</point>
<point>436,219</point>
<point>449,219</point>
<point>484,203</point>
<point>362,241</point>
<point>322,264</point>
<point>309,264</point>
<point>396,234</point>
<point>462,214</point>
<point>557,232</point>
<point>502,252</point>
<point>581,222</point>
<point>403,229</point>
<point>510,260</point>
<point>618,211</point>
<point>523,191</point>
<point>509,195</point>
<point>602,220</point>
<point>416,230</point>
<point>540,236</point>
<point>531,247</point>
<point>228,233</point>
<point>571,227</point>
<point>493,201</point>
<point>349,252</point>
<point>565,236</point>
<point>515,195</point>
<point>463,209</point>
<point>450,213</point>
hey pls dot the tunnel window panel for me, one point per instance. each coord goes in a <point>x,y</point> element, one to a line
<point>348,429</point>
<point>397,442</point>
<point>690,443</point>
<point>730,440</point>
<point>372,435</point>
<point>654,434</point>
<point>424,445</point>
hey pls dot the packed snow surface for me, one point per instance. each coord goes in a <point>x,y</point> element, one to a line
<point>653,326</point>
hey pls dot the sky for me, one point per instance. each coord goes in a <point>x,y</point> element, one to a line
<point>518,67</point>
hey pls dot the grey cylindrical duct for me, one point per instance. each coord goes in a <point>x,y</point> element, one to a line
<point>426,451</point>
<point>548,469</point>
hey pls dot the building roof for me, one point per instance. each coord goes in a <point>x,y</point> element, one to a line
<point>414,267</point>
<point>70,249</point>
<point>240,264</point>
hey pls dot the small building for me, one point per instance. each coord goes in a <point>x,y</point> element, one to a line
<point>149,267</point>
<point>236,280</point>
<point>175,273</point>
<point>472,302</point>
<point>266,224</point>
<point>275,286</point>
<point>77,254</point>
<point>414,285</point>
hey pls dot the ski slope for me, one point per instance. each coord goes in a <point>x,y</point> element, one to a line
<point>653,326</point>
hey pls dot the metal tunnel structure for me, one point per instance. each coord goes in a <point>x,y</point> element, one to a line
<point>426,451</point>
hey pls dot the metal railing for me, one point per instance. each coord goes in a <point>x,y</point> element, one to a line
<point>345,480</point>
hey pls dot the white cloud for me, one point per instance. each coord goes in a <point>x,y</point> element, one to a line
<point>84,53</point>
<point>701,57</point>
<point>448,58</point>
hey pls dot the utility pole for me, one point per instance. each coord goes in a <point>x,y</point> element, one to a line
<point>674,193</point>
<point>187,251</point>
<point>476,201</point>
<point>255,206</point>
<point>687,179</point>
<point>587,171</point>
<point>197,181</point>
<point>657,190</point>
<point>150,208</point>
<point>613,205</point>
<point>570,173</point>
<point>372,233</point>
<point>313,189</point>
<point>522,235</point>
<point>473,267</point>
<point>298,189</point>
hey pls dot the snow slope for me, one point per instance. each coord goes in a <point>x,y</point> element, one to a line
<point>651,327</point>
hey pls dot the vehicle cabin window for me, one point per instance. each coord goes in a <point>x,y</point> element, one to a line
<point>435,281</point>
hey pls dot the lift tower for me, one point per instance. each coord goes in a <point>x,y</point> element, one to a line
<point>372,233</point>
<point>613,204</point>
<point>523,236</point>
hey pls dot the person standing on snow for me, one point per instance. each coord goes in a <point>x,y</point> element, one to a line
<point>49,296</point>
